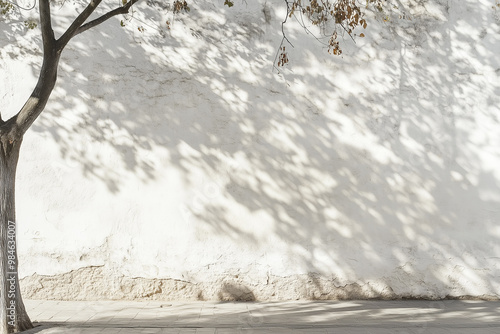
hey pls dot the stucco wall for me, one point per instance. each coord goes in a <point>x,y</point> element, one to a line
<point>180,165</point>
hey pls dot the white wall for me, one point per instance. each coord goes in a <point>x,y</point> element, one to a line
<point>187,158</point>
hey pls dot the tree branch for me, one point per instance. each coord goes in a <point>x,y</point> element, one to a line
<point>78,25</point>
<point>46,25</point>
<point>71,31</point>
<point>17,125</point>
<point>120,10</point>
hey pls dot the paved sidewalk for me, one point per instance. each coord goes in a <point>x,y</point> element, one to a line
<point>332,317</point>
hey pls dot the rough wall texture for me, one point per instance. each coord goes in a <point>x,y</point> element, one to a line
<point>96,283</point>
<point>180,165</point>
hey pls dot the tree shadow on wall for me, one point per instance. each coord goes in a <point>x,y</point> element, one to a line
<point>367,166</point>
<point>231,292</point>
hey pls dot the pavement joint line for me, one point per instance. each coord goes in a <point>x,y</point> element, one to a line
<point>268,326</point>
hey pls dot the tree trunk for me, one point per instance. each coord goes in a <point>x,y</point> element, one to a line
<point>13,316</point>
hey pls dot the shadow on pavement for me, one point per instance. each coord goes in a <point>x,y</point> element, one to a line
<point>415,316</point>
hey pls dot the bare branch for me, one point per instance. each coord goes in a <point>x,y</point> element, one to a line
<point>71,31</point>
<point>120,10</point>
<point>78,25</point>
<point>46,25</point>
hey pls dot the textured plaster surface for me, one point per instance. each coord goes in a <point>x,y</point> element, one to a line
<point>98,284</point>
<point>178,164</point>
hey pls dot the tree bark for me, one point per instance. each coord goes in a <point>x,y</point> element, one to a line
<point>13,316</point>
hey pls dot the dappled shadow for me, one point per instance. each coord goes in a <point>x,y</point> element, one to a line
<point>414,315</point>
<point>376,168</point>
<point>235,292</point>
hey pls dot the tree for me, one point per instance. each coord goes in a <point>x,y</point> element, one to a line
<point>332,17</point>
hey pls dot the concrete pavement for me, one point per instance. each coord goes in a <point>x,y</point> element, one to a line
<point>339,317</point>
